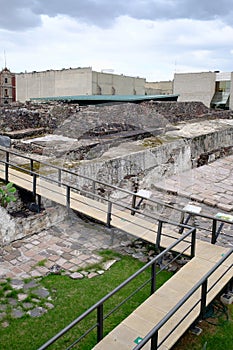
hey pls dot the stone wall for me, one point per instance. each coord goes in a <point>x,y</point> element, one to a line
<point>156,158</point>
<point>12,228</point>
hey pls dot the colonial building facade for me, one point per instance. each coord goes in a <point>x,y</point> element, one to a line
<point>7,86</point>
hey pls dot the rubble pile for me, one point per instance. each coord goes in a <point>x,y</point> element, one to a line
<point>20,116</point>
<point>143,116</point>
<point>127,120</point>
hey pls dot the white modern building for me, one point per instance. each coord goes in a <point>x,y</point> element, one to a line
<point>214,89</point>
<point>75,82</point>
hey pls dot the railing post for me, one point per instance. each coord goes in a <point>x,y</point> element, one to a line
<point>214,229</point>
<point>68,197</point>
<point>31,166</point>
<point>154,341</point>
<point>230,285</point>
<point>159,232</point>
<point>133,205</point>
<point>93,186</point>
<point>59,177</point>
<point>109,214</point>
<point>203,299</point>
<point>7,167</point>
<point>39,201</point>
<point>193,243</point>
<point>34,185</point>
<point>181,222</point>
<point>153,278</point>
<point>100,322</point>
<point>135,190</point>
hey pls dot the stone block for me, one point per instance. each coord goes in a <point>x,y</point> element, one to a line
<point>76,275</point>
<point>210,202</point>
<point>225,207</point>
<point>5,141</point>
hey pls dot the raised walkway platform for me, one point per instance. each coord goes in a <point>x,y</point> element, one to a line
<point>158,305</point>
<point>153,310</point>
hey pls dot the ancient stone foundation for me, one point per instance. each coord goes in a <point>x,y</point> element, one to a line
<point>14,228</point>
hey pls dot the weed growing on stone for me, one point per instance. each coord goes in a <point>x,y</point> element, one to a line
<point>41,263</point>
<point>7,194</point>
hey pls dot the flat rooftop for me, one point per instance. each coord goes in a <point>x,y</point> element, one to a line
<point>96,99</point>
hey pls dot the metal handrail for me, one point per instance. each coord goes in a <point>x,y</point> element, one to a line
<point>215,231</point>
<point>182,238</point>
<point>72,187</point>
<point>100,303</point>
<point>153,334</point>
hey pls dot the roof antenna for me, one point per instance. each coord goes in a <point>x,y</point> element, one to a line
<point>5,58</point>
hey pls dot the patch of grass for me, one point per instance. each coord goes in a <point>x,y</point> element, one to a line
<point>106,256</point>
<point>41,262</point>
<point>28,299</point>
<point>12,294</point>
<point>217,334</point>
<point>71,298</point>
<point>109,254</point>
<point>6,286</point>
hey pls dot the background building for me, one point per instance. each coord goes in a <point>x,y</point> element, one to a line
<point>7,86</point>
<point>159,88</point>
<point>75,82</point>
<point>214,89</point>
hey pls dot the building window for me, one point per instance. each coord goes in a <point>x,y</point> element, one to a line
<point>6,80</point>
<point>99,90</point>
<point>6,92</point>
<point>223,86</point>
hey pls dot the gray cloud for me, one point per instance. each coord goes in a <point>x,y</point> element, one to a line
<point>26,13</point>
<point>18,15</point>
<point>102,12</point>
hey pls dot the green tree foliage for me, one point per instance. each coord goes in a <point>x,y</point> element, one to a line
<point>7,194</point>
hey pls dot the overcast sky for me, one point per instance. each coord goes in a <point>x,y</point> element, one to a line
<point>147,38</point>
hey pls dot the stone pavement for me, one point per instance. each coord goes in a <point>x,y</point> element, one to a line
<point>63,249</point>
<point>209,187</point>
<point>70,246</point>
<point>210,184</point>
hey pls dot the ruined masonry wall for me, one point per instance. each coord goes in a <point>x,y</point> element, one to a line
<point>153,164</point>
<point>12,229</point>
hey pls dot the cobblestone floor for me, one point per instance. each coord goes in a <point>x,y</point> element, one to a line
<point>209,187</point>
<point>210,184</point>
<point>72,245</point>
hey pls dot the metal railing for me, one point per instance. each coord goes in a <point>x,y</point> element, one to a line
<point>110,211</point>
<point>99,306</point>
<point>59,177</point>
<point>203,284</point>
<point>65,178</point>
